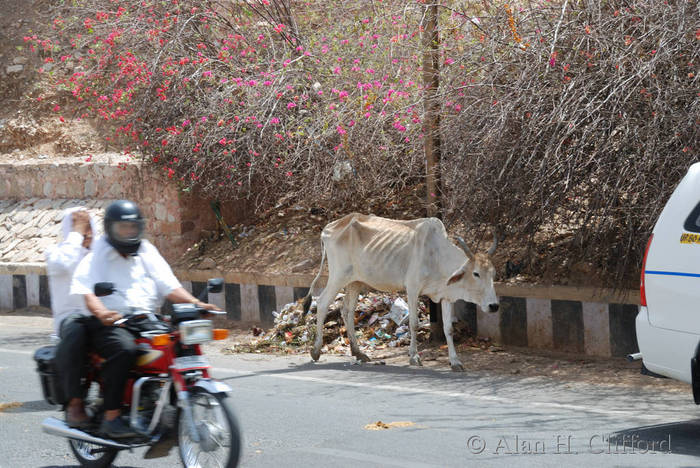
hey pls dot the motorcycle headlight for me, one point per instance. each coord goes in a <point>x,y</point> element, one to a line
<point>196,332</point>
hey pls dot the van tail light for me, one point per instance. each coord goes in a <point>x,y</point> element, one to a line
<point>642,290</point>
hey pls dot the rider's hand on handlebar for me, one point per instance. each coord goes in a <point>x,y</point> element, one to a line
<point>108,317</point>
<point>207,306</point>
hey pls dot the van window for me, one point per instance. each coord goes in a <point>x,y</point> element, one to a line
<point>692,224</point>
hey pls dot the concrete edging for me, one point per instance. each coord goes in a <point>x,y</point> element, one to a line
<point>588,321</point>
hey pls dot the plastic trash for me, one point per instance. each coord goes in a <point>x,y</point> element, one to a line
<point>382,334</point>
<point>399,311</point>
<point>343,170</point>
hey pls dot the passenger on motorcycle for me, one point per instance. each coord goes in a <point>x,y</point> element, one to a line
<point>143,278</point>
<point>77,230</point>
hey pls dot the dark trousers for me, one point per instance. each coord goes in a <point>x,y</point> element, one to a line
<point>71,354</point>
<point>117,347</point>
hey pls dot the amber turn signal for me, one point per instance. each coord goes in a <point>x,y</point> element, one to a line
<point>220,333</point>
<point>161,340</point>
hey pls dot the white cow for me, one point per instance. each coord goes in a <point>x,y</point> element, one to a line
<point>390,255</point>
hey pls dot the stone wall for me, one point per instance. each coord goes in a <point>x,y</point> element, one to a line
<point>174,219</point>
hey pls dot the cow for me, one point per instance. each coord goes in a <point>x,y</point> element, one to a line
<point>415,256</point>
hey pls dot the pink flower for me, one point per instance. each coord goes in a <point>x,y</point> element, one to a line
<point>291,105</point>
<point>449,61</point>
<point>206,73</point>
<point>341,130</point>
<point>274,120</point>
<point>185,123</point>
<point>222,141</point>
<point>553,59</point>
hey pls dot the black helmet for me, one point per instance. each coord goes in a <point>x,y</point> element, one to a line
<point>124,226</point>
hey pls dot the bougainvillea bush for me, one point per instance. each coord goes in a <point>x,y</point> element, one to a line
<point>558,118</point>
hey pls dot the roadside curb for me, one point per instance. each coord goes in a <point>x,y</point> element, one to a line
<point>588,321</point>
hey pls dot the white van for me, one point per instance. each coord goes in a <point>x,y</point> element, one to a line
<point>668,323</point>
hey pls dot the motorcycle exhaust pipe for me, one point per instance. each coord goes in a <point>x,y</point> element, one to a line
<point>57,427</point>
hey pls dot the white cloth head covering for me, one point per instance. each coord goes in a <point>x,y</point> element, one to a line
<point>67,223</point>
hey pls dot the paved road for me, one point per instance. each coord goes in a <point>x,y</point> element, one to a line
<point>294,413</point>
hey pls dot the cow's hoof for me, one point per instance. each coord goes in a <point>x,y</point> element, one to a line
<point>415,361</point>
<point>360,356</point>
<point>457,366</point>
<point>315,354</point>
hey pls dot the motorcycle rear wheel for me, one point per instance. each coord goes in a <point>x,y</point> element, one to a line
<point>82,451</point>
<point>216,423</point>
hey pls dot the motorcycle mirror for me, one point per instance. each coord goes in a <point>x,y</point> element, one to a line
<point>104,289</point>
<point>215,285</point>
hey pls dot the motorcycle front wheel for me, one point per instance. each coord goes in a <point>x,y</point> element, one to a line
<point>84,452</point>
<point>219,442</point>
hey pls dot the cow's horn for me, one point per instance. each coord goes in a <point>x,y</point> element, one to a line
<point>495,244</point>
<point>462,244</point>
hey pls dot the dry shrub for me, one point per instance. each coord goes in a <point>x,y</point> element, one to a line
<point>583,116</point>
<point>565,123</point>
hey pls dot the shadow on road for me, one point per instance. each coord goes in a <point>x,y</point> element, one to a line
<point>27,339</point>
<point>31,407</point>
<point>78,466</point>
<point>680,438</point>
<point>367,368</point>
<point>392,375</point>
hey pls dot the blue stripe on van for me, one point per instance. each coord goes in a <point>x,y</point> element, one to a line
<point>672,273</point>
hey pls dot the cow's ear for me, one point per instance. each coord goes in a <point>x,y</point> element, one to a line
<point>456,276</point>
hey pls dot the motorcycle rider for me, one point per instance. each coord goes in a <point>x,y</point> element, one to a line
<point>143,278</point>
<point>77,229</point>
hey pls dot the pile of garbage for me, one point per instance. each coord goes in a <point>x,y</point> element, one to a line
<point>381,321</point>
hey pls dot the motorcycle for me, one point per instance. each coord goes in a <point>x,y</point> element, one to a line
<point>169,397</point>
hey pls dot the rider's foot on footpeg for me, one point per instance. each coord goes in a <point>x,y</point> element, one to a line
<point>117,429</point>
<point>77,419</point>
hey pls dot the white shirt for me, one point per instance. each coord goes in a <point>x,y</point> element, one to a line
<point>142,281</point>
<point>61,262</point>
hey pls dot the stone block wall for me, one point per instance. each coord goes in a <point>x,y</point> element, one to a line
<point>174,219</point>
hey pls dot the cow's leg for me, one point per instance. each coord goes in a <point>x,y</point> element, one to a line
<point>447,327</point>
<point>324,300</point>
<point>351,292</point>
<point>413,325</point>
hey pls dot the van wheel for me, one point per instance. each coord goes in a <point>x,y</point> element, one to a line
<point>83,451</point>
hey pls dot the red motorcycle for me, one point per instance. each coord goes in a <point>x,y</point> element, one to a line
<point>169,398</point>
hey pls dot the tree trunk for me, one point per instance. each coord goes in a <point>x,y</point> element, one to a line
<point>431,106</point>
<point>431,140</point>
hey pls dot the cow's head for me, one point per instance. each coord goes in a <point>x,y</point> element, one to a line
<point>475,277</point>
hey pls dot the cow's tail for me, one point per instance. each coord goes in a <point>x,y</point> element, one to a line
<point>307,299</point>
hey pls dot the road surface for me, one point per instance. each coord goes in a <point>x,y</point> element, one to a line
<point>295,413</point>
